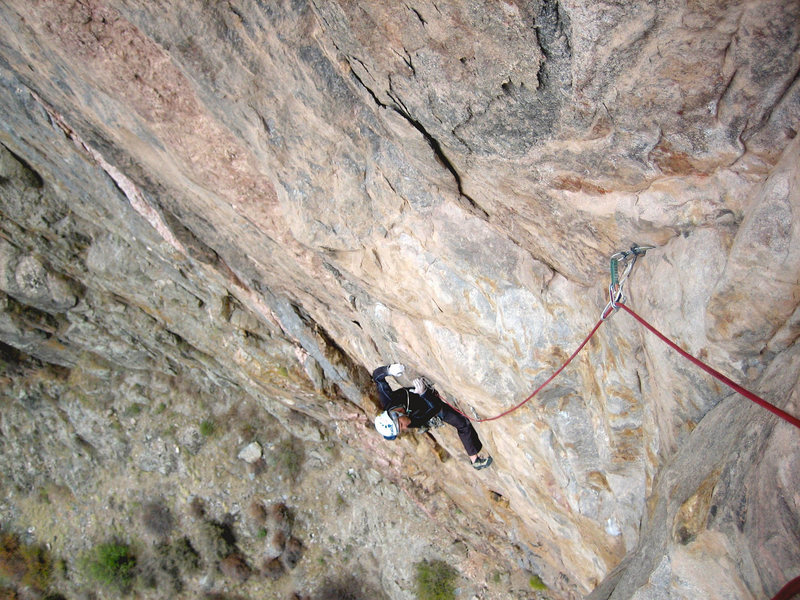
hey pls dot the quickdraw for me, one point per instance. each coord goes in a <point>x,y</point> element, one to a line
<point>626,258</point>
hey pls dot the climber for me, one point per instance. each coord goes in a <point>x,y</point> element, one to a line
<point>418,408</point>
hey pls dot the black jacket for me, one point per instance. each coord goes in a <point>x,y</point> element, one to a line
<point>420,409</point>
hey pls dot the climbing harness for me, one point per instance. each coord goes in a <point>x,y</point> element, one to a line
<point>625,260</point>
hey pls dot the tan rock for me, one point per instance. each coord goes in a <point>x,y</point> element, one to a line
<point>254,194</point>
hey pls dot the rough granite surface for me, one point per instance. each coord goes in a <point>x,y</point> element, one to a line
<point>229,213</point>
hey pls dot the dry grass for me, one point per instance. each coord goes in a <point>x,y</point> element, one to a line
<point>23,564</point>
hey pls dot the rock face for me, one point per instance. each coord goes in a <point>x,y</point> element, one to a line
<point>279,197</point>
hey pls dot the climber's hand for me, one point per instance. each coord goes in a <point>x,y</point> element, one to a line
<point>419,386</point>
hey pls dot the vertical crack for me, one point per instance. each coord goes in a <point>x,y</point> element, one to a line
<point>401,109</point>
<point>418,15</point>
<point>367,88</point>
<point>441,157</point>
<point>407,59</point>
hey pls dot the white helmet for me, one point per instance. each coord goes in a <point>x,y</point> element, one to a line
<point>386,424</point>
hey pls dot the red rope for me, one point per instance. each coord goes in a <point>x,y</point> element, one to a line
<point>731,384</point>
<point>537,390</point>
<point>790,590</point>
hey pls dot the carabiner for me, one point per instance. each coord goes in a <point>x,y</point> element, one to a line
<point>616,297</point>
<point>615,294</point>
<point>629,258</point>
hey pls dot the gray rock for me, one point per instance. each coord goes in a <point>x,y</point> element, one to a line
<point>250,453</point>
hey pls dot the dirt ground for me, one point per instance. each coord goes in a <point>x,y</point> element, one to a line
<point>309,520</point>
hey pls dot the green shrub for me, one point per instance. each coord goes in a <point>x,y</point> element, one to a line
<point>24,564</point>
<point>536,583</point>
<point>207,428</point>
<point>134,409</point>
<point>112,564</point>
<point>7,593</point>
<point>39,567</point>
<point>435,580</point>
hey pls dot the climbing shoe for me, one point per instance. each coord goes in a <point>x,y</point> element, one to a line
<point>482,462</point>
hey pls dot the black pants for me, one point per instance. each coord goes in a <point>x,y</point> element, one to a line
<point>466,432</point>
